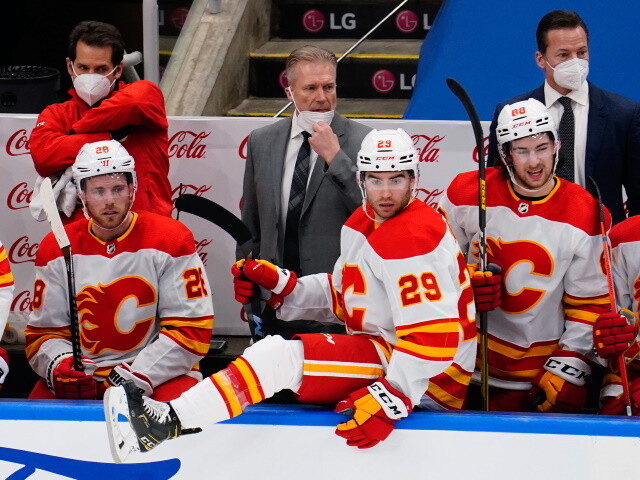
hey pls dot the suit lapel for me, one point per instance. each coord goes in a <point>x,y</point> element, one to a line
<point>596,126</point>
<point>338,125</point>
<point>279,141</point>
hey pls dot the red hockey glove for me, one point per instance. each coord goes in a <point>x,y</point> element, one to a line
<point>123,372</point>
<point>560,385</point>
<point>73,384</point>
<point>614,333</point>
<point>487,287</point>
<point>269,276</point>
<point>616,406</point>
<point>4,365</point>
<point>243,289</point>
<point>374,411</point>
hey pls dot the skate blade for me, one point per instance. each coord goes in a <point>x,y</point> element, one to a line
<point>122,438</point>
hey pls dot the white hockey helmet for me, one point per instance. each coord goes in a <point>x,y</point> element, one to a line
<point>524,119</point>
<point>102,158</point>
<point>387,151</point>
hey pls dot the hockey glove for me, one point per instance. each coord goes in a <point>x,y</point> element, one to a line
<point>374,411</point>
<point>560,386</point>
<point>243,289</point>
<point>73,384</point>
<point>123,372</point>
<point>616,406</point>
<point>4,365</point>
<point>487,287</point>
<point>614,333</point>
<point>269,276</point>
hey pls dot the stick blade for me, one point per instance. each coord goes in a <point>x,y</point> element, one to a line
<point>51,209</point>
<point>216,214</point>
<point>122,439</point>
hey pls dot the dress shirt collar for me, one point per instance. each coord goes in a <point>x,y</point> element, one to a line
<point>580,96</point>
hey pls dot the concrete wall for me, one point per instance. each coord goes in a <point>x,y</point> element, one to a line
<point>208,72</point>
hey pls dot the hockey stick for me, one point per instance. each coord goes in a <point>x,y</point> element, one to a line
<point>612,294</point>
<point>227,221</point>
<point>463,96</point>
<point>51,209</point>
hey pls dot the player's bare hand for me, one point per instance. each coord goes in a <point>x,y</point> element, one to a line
<point>324,142</point>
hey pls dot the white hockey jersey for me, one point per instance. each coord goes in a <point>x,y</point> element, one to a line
<point>553,287</point>
<point>405,283</point>
<point>625,263</point>
<point>6,288</point>
<point>142,298</point>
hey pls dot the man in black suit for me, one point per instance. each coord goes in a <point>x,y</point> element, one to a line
<point>600,131</point>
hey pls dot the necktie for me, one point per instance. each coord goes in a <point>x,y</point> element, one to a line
<point>567,129</point>
<point>296,200</point>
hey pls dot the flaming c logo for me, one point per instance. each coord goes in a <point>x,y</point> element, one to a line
<point>98,309</point>
<point>510,254</point>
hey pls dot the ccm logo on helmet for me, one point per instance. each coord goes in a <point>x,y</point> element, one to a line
<point>392,157</point>
<point>521,124</point>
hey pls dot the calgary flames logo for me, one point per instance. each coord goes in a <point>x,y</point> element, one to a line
<point>99,308</point>
<point>508,255</point>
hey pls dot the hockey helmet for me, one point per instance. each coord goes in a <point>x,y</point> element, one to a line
<point>387,151</point>
<point>102,158</point>
<point>524,119</point>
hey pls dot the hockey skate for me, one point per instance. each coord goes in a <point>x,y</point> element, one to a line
<point>148,422</point>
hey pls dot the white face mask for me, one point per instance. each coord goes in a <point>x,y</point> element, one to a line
<point>92,87</point>
<point>306,118</point>
<point>571,74</point>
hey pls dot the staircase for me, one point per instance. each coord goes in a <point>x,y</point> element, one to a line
<point>374,81</point>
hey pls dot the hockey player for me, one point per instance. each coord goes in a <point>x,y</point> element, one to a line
<point>613,333</point>
<point>543,233</point>
<point>6,296</point>
<point>143,299</point>
<point>400,286</point>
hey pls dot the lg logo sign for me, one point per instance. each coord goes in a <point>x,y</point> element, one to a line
<point>384,81</point>
<point>314,20</point>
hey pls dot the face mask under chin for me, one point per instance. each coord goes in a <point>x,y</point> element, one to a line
<point>306,118</point>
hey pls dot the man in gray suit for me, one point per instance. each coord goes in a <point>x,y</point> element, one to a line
<point>294,226</point>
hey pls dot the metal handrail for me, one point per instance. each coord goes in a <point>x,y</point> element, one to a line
<point>355,45</point>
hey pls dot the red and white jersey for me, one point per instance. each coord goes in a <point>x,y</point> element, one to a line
<point>405,284</point>
<point>142,298</point>
<point>553,287</point>
<point>6,288</point>
<point>625,263</point>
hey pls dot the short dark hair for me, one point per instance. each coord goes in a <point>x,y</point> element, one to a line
<point>97,34</point>
<point>308,53</point>
<point>557,20</point>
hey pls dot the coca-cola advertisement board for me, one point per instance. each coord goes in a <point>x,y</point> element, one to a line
<point>207,158</point>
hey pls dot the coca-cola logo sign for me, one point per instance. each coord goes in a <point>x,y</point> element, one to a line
<point>427,147</point>
<point>189,188</point>
<point>188,144</point>
<point>200,244</point>
<point>242,148</point>
<point>19,196</point>
<point>22,251</point>
<point>22,302</point>
<point>430,197</point>
<point>486,150</point>
<point>18,144</point>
